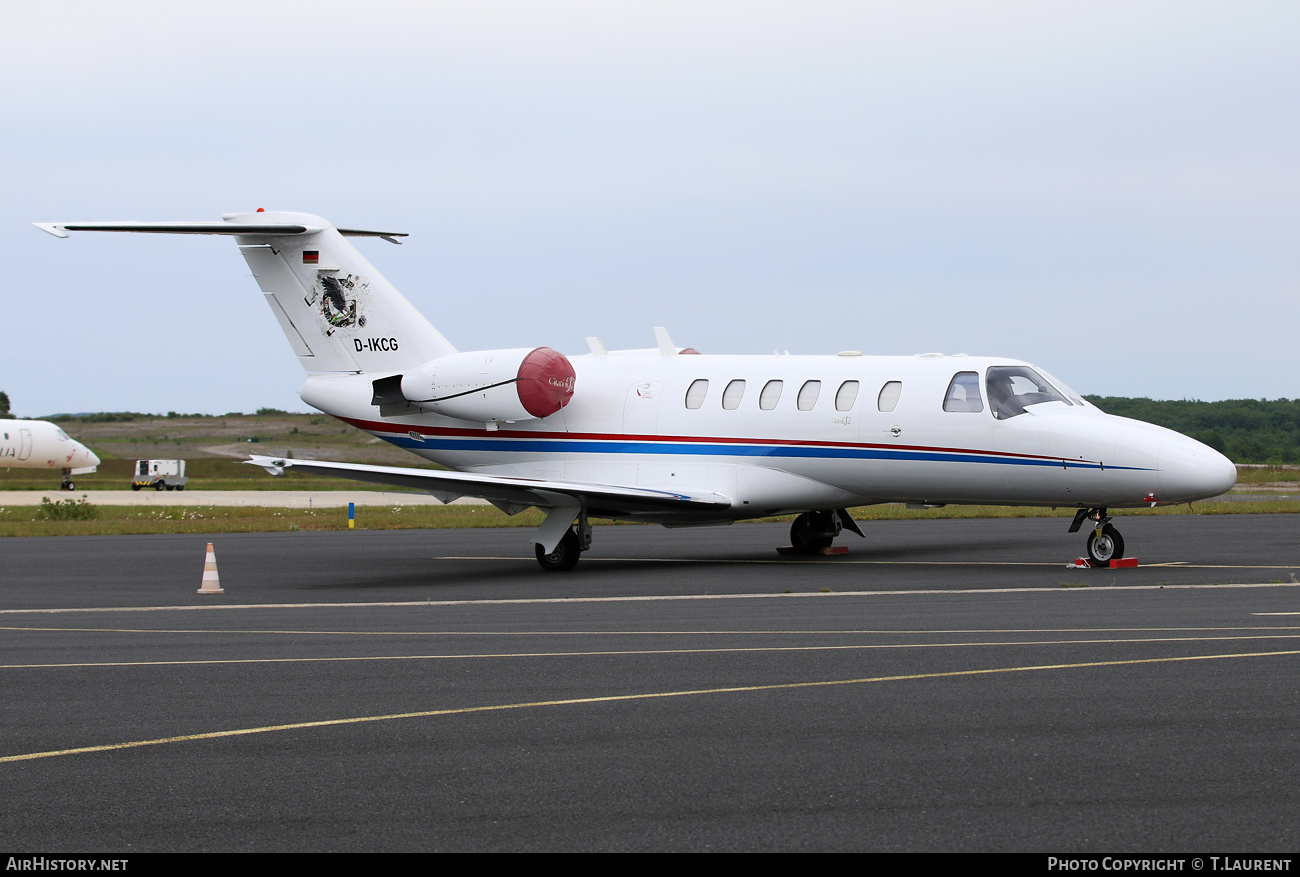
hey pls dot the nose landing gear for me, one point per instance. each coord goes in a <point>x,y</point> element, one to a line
<point>1104,545</point>
<point>1104,542</point>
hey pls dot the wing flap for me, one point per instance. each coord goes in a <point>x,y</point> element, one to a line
<point>507,492</point>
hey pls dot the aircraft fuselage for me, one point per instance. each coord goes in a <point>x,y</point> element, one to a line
<point>630,422</point>
<point>38,444</point>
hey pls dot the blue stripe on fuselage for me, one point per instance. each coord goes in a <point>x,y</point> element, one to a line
<point>704,449</point>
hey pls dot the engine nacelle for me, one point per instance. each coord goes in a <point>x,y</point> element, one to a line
<point>493,385</point>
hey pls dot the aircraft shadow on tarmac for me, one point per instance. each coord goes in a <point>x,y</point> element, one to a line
<point>456,571</point>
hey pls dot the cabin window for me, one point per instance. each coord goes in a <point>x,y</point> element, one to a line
<point>808,395</point>
<point>964,393</point>
<point>696,392</point>
<point>732,395</point>
<point>846,396</point>
<point>889,394</point>
<point>771,395</point>
<point>1013,388</point>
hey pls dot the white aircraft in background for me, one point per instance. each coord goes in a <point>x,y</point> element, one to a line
<point>37,444</point>
<point>668,436</point>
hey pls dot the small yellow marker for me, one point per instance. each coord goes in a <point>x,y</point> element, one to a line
<point>211,584</point>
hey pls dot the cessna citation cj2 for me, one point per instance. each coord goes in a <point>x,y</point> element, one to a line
<point>671,437</point>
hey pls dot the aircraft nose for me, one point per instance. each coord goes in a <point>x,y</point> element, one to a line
<point>85,456</point>
<point>1190,470</point>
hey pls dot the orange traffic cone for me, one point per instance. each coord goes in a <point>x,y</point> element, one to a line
<point>211,584</point>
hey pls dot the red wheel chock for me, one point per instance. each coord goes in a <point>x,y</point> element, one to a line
<point>1086,563</point>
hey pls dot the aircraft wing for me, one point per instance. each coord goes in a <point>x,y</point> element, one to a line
<point>511,494</point>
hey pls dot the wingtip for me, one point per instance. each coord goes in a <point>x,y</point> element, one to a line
<point>272,465</point>
<point>53,228</point>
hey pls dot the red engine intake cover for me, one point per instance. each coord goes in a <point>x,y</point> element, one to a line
<point>545,382</point>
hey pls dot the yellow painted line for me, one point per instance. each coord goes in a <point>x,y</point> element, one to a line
<point>739,689</point>
<point>1295,566</point>
<point>704,632</point>
<point>837,559</point>
<point>841,560</point>
<point>914,592</point>
<point>199,662</point>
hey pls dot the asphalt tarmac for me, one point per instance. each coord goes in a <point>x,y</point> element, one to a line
<point>947,685</point>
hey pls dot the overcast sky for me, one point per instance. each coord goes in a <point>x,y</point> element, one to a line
<point>1108,189</point>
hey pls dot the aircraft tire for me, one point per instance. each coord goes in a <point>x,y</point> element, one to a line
<point>807,535</point>
<point>1101,551</point>
<point>68,485</point>
<point>564,557</point>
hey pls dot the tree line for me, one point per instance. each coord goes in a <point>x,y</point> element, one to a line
<point>1245,430</point>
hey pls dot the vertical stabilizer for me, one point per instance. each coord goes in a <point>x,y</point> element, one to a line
<point>338,312</point>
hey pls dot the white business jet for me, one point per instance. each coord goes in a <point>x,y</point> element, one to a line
<point>37,444</point>
<point>668,436</point>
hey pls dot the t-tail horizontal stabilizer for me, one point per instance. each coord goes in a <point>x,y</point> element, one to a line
<point>338,313</point>
<point>61,229</point>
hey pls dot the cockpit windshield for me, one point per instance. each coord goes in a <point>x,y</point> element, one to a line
<point>1060,385</point>
<point>1012,388</point>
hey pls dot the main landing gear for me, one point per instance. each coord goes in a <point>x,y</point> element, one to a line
<point>813,532</point>
<point>564,557</point>
<point>1104,542</point>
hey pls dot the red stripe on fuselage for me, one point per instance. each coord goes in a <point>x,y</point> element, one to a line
<point>456,432</point>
